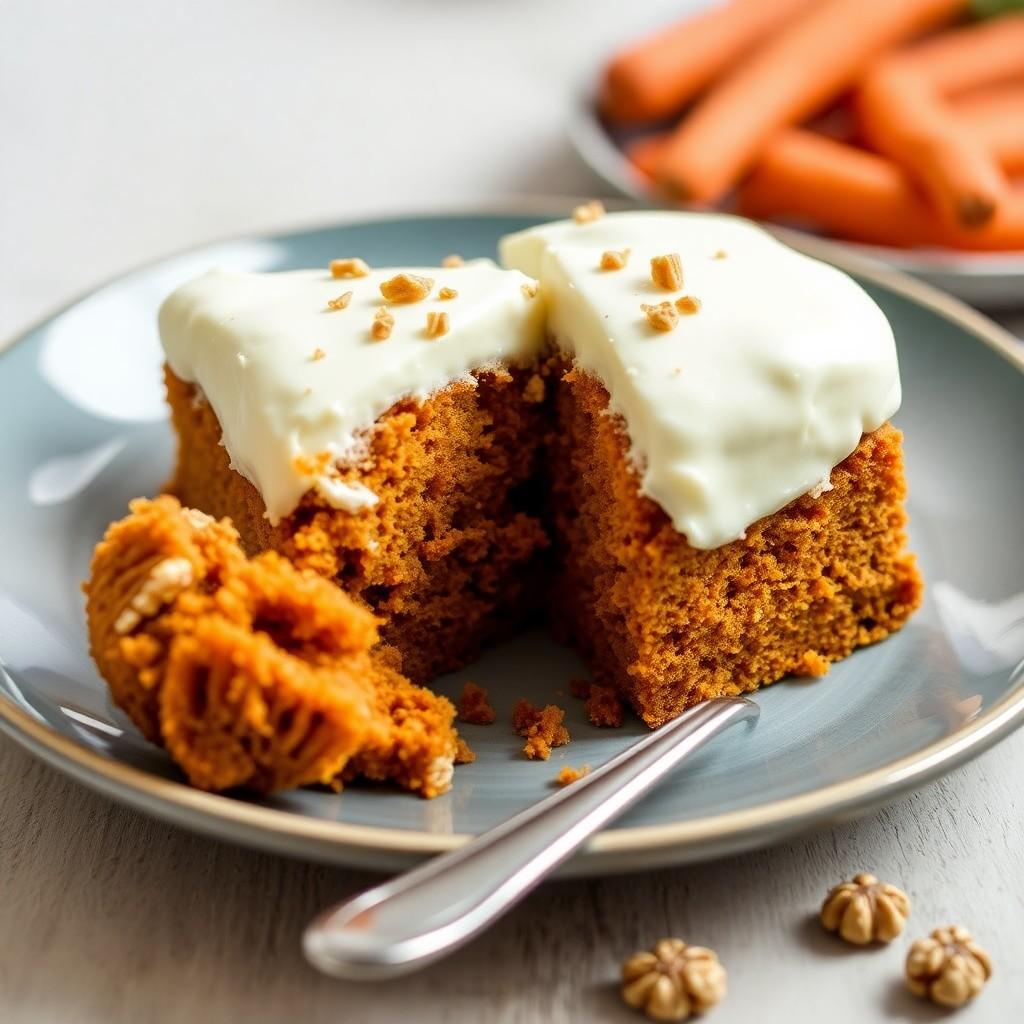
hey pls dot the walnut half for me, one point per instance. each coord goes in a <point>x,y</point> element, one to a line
<point>673,980</point>
<point>865,910</point>
<point>948,967</point>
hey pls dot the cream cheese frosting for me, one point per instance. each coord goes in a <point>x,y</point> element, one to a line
<point>745,404</point>
<point>289,378</point>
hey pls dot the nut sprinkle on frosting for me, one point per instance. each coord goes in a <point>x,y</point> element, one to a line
<point>406,288</point>
<point>350,266</point>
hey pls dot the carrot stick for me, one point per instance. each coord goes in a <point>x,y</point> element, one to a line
<point>794,75</point>
<point>861,196</point>
<point>973,57</point>
<point>658,75</point>
<point>902,116</point>
<point>996,117</point>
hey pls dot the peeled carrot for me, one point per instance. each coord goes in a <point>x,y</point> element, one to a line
<point>973,57</point>
<point>798,71</point>
<point>996,116</point>
<point>658,75</point>
<point>861,196</point>
<point>901,115</point>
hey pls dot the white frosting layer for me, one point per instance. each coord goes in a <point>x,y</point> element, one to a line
<point>250,342</point>
<point>746,404</point>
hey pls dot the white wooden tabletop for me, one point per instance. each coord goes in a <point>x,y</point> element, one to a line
<point>133,129</point>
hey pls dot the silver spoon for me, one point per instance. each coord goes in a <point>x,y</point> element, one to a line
<point>420,916</point>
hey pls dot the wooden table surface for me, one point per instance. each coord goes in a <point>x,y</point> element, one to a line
<point>136,129</point>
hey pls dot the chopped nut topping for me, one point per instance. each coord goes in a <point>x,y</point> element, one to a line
<point>614,259</point>
<point>865,910</point>
<point>164,582</point>
<point>673,980</point>
<point>542,728</point>
<point>688,305</point>
<point>447,293</point>
<point>604,707</point>
<point>341,302</point>
<point>437,325</point>
<point>406,288</point>
<point>588,212</point>
<point>529,289</point>
<point>948,967</point>
<point>351,266</point>
<point>317,355</point>
<point>568,775</point>
<point>453,260</point>
<point>383,324</point>
<point>661,317</point>
<point>474,707</point>
<point>534,390</point>
<point>667,271</point>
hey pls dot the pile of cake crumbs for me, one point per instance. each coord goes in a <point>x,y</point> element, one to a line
<point>541,727</point>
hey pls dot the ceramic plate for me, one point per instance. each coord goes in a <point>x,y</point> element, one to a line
<point>990,280</point>
<point>83,430</point>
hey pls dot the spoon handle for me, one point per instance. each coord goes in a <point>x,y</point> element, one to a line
<point>431,910</point>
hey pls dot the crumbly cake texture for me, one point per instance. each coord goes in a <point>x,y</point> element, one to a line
<point>251,672</point>
<point>669,625</point>
<point>447,558</point>
<point>542,728</point>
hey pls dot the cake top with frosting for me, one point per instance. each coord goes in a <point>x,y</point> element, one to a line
<point>743,371</point>
<point>299,363</point>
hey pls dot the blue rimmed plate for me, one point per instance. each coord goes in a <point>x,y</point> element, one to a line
<point>83,430</point>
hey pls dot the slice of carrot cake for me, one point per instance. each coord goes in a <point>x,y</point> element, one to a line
<point>383,428</point>
<point>726,490</point>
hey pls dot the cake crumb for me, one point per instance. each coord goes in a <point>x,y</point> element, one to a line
<point>444,294</point>
<point>453,260</point>
<point>580,688</point>
<point>406,288</point>
<point>688,305</point>
<point>813,664</point>
<point>667,271</point>
<point>661,317</point>
<point>604,708</point>
<point>614,259</point>
<point>541,727</point>
<point>474,707</point>
<point>586,213</point>
<point>383,324</point>
<point>340,302</point>
<point>318,354</point>
<point>720,254</point>
<point>529,289</point>
<point>463,753</point>
<point>437,325</point>
<point>569,775</point>
<point>350,266</point>
<point>534,390</point>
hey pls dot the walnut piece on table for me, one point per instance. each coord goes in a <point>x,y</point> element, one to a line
<point>673,980</point>
<point>948,967</point>
<point>865,910</point>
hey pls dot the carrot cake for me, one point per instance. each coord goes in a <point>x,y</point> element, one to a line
<point>678,421</point>
<point>726,490</point>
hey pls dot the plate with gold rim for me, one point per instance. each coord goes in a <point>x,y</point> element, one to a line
<point>83,429</point>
